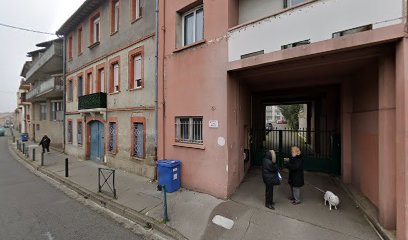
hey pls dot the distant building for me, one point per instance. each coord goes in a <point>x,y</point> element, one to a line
<point>44,74</point>
<point>273,114</point>
<point>23,110</point>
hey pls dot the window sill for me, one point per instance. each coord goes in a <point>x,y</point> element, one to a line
<point>136,19</point>
<point>135,89</point>
<point>114,93</point>
<point>187,145</point>
<point>114,33</point>
<point>136,159</point>
<point>80,54</point>
<point>189,46</point>
<point>93,45</point>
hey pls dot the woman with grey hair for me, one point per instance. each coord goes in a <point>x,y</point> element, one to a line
<point>270,177</point>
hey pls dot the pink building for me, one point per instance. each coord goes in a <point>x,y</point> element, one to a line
<point>222,62</point>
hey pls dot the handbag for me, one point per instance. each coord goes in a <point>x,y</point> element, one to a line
<point>277,178</point>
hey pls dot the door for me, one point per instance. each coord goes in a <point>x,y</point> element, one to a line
<point>97,148</point>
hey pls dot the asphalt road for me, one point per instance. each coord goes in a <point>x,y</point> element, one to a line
<point>30,208</point>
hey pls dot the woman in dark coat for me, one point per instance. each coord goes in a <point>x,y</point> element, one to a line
<point>296,175</point>
<point>45,143</point>
<point>270,176</point>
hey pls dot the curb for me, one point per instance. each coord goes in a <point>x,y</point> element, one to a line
<point>372,219</point>
<point>104,201</point>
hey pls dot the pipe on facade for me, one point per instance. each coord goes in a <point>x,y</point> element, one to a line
<point>64,67</point>
<point>156,121</point>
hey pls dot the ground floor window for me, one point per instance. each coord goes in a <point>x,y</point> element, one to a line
<point>43,111</point>
<point>189,130</point>
<point>79,133</point>
<point>138,138</point>
<point>112,147</point>
<point>57,114</point>
<point>69,132</point>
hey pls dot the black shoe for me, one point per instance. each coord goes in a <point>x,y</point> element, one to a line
<point>270,206</point>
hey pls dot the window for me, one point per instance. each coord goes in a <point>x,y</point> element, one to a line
<point>57,114</point>
<point>193,26</point>
<point>112,147</point>
<point>89,82</point>
<point>70,48</point>
<point>138,138</point>
<point>114,80</point>
<point>69,131</point>
<point>296,44</point>
<point>43,111</point>
<point>136,69</point>
<point>95,29</point>
<point>101,79</point>
<point>136,9</point>
<point>189,130</point>
<point>115,8</point>
<point>79,132</point>
<point>79,40</point>
<point>80,86</point>
<point>291,3</point>
<point>70,91</point>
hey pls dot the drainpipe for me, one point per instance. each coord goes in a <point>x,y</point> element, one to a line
<point>64,71</point>
<point>156,94</point>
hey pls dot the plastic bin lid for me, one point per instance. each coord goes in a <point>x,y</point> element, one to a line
<point>169,163</point>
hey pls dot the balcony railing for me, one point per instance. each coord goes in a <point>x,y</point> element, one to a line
<point>55,50</point>
<point>313,21</point>
<point>92,101</point>
<point>52,84</point>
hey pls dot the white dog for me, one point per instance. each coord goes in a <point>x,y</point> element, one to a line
<point>332,199</point>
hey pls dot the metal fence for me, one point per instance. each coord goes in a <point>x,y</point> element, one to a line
<point>320,148</point>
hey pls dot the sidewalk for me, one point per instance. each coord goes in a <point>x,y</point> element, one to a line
<point>191,213</point>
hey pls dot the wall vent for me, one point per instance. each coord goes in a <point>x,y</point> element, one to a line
<point>352,30</point>
<point>296,44</point>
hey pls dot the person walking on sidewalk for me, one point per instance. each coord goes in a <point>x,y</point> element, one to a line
<point>45,143</point>
<point>270,177</point>
<point>296,175</point>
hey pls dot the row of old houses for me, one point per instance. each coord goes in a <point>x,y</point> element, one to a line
<point>132,81</point>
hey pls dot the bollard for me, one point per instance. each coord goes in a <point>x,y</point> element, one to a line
<point>33,154</point>
<point>165,215</point>
<point>14,139</point>
<point>66,168</point>
<point>23,148</point>
<point>42,159</point>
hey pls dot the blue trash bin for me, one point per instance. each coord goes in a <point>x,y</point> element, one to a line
<point>168,173</point>
<point>24,137</point>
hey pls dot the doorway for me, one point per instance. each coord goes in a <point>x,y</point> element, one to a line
<point>97,147</point>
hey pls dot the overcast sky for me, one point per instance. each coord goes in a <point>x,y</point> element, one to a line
<point>42,15</point>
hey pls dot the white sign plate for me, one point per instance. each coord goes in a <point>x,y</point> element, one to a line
<point>213,123</point>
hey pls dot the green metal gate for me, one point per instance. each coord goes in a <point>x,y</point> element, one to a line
<point>320,149</point>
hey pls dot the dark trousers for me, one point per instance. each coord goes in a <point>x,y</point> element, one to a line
<point>269,194</point>
<point>46,147</point>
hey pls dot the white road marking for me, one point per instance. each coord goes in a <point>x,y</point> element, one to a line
<point>49,236</point>
<point>223,222</point>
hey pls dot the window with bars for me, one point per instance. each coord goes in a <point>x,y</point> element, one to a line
<point>79,133</point>
<point>112,137</point>
<point>69,132</point>
<point>189,130</point>
<point>138,140</point>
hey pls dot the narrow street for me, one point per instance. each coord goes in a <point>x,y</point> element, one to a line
<point>32,209</point>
